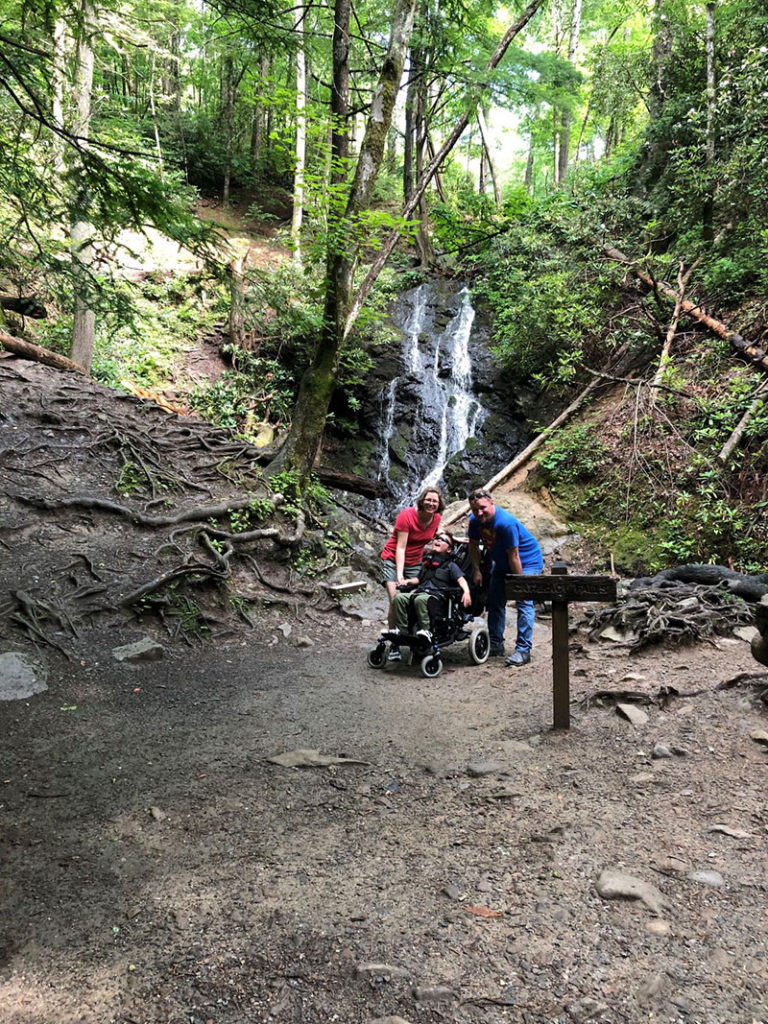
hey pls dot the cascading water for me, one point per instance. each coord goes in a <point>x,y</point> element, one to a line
<point>434,382</point>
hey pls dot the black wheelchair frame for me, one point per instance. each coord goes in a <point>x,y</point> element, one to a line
<point>450,627</point>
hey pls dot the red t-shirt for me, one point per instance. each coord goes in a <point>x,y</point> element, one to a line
<point>408,522</point>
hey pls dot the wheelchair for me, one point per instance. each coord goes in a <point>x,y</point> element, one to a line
<point>452,624</point>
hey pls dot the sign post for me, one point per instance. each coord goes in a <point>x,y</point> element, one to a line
<point>560,588</point>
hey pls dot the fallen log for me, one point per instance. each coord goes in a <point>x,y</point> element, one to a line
<point>755,354</point>
<point>25,305</point>
<point>27,350</point>
<point>348,482</point>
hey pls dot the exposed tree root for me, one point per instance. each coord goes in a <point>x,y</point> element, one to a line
<point>672,611</point>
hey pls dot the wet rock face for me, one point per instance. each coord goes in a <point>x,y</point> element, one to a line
<point>436,407</point>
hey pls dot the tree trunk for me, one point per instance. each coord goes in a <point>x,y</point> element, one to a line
<point>154,116</point>
<point>481,123</point>
<point>61,43</point>
<point>423,236</point>
<point>709,158</point>
<point>81,232</point>
<point>529,164</point>
<point>567,117</point>
<point>236,301</point>
<point>228,123</point>
<point>411,103</point>
<point>654,157</point>
<point>259,117</point>
<point>301,139</point>
<point>302,445</point>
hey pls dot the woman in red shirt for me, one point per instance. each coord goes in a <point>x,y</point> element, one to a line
<point>414,528</point>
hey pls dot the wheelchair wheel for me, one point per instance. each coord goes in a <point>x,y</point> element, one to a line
<point>479,647</point>
<point>431,666</point>
<point>377,656</point>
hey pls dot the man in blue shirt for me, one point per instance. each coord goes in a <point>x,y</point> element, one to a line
<point>513,549</point>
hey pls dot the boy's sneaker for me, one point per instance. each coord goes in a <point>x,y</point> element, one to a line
<point>518,658</point>
<point>394,654</point>
<point>425,635</point>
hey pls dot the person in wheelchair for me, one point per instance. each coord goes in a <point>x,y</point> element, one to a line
<point>427,600</point>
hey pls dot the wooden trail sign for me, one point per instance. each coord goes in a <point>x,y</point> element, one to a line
<point>560,588</point>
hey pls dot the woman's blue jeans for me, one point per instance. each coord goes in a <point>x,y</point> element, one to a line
<point>497,611</point>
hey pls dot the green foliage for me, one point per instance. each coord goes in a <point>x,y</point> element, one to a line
<point>260,390</point>
<point>574,455</point>
<point>655,495</point>
<point>244,519</point>
<point>132,480</point>
<point>548,292</point>
<point>312,498</point>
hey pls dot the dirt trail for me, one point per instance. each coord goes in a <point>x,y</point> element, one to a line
<point>158,868</point>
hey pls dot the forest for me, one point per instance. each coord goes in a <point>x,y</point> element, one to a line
<point>223,801</point>
<point>595,169</point>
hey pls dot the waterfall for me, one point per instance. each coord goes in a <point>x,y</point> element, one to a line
<point>387,423</point>
<point>460,410</point>
<point>429,404</point>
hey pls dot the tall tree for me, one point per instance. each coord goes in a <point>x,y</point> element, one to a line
<point>81,233</point>
<point>300,151</point>
<point>302,445</point>
<point>567,115</point>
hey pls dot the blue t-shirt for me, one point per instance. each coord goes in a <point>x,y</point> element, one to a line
<point>505,532</point>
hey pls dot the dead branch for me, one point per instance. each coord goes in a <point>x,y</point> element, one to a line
<point>755,354</point>
<point>738,433</point>
<point>682,281</point>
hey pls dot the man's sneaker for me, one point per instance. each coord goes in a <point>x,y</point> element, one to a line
<point>394,654</point>
<point>518,658</point>
<point>425,635</point>
<point>496,651</point>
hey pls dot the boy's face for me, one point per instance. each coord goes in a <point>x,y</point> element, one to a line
<point>441,545</point>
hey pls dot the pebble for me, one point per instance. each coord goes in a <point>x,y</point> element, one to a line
<point>383,971</point>
<point>432,993</point>
<point>650,988</point>
<point>613,885</point>
<point>711,878</point>
<point>142,650</point>
<point>633,714</point>
<point>478,768</point>
<point>587,1010</point>
<point>658,926</point>
<point>660,751</point>
<point>19,677</point>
